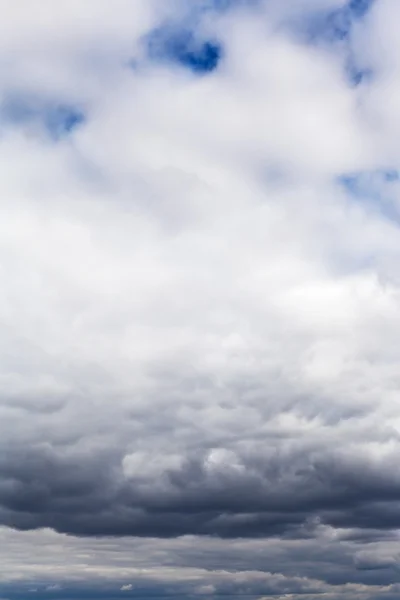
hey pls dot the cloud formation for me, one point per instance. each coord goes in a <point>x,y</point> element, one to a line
<point>199,317</point>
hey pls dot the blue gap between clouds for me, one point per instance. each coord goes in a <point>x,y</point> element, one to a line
<point>225,5</point>
<point>57,120</point>
<point>179,45</point>
<point>335,26</point>
<point>372,190</point>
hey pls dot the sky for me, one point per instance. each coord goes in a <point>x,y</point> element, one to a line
<point>199,299</point>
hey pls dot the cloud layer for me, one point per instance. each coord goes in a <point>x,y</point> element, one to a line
<point>199,315</point>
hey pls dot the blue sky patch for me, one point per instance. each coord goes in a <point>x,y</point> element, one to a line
<point>224,5</point>
<point>365,182</point>
<point>359,8</point>
<point>373,190</point>
<point>183,48</point>
<point>61,120</point>
<point>336,25</point>
<point>57,120</point>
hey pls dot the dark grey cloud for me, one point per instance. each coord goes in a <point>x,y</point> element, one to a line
<point>271,491</point>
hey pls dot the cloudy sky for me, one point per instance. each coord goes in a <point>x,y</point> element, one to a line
<point>199,299</point>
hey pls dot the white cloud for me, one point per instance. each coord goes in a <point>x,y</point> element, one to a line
<point>127,588</point>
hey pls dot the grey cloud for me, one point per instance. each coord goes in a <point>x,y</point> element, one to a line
<point>187,565</point>
<point>222,493</point>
